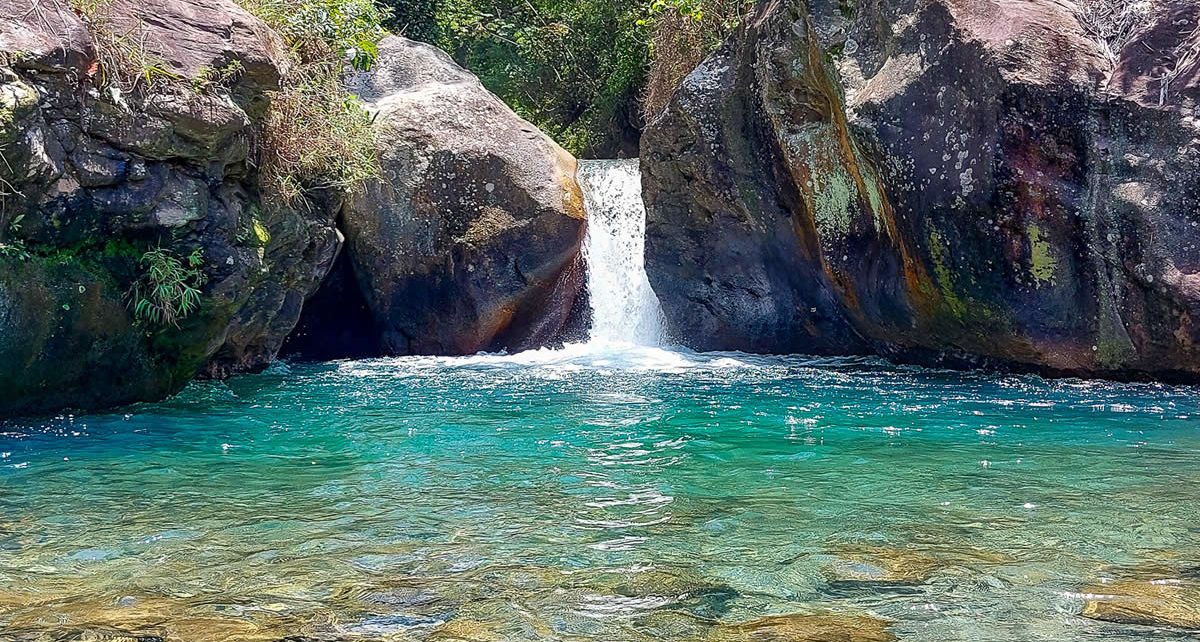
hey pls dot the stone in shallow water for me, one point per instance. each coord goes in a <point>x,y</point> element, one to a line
<point>115,636</point>
<point>1164,602</point>
<point>871,564</point>
<point>128,618</point>
<point>828,627</point>
<point>465,630</point>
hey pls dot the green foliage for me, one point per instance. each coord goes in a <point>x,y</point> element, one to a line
<point>572,67</point>
<point>575,68</point>
<point>693,9</point>
<point>686,31</point>
<point>14,250</point>
<point>325,30</point>
<point>208,78</point>
<point>415,19</point>
<point>169,290</point>
<point>120,248</point>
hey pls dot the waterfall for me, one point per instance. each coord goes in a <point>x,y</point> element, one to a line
<point>624,306</point>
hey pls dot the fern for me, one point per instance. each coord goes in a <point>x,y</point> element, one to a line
<point>169,290</point>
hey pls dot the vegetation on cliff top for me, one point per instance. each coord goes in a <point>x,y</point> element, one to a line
<point>585,71</point>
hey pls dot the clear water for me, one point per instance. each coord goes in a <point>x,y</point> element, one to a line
<point>598,494</point>
<point>624,306</point>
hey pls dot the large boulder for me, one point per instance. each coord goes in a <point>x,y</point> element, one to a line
<point>962,181</point>
<point>109,155</point>
<point>471,239</point>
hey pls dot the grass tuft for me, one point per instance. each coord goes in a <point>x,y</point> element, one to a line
<point>316,135</point>
<point>125,59</point>
<point>1112,23</point>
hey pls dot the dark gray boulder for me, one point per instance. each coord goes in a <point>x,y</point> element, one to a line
<point>955,181</point>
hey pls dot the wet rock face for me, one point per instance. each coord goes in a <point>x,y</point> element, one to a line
<point>98,173</point>
<point>471,240</point>
<point>967,180</point>
<point>729,245</point>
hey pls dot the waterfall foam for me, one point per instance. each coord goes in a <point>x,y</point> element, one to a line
<point>624,306</point>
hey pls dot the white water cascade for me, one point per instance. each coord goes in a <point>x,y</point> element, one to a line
<point>624,306</point>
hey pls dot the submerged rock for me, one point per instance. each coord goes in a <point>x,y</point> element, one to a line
<point>959,182</point>
<point>464,630</point>
<point>471,240</point>
<point>1162,602</point>
<point>829,627</point>
<point>870,565</point>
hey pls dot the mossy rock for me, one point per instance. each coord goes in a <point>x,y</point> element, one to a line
<point>68,339</point>
<point>17,101</point>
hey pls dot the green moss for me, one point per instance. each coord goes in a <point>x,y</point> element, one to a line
<point>112,261</point>
<point>945,278</point>
<point>17,100</point>
<point>123,249</point>
<point>833,191</point>
<point>835,52</point>
<point>1113,346</point>
<point>261,233</point>
<point>1041,256</point>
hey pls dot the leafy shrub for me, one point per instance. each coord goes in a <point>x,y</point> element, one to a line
<point>573,67</point>
<point>578,69</point>
<point>170,288</point>
<point>325,30</point>
<point>415,19</point>
<point>14,250</point>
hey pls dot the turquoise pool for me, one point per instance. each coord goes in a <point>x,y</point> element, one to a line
<point>612,493</point>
